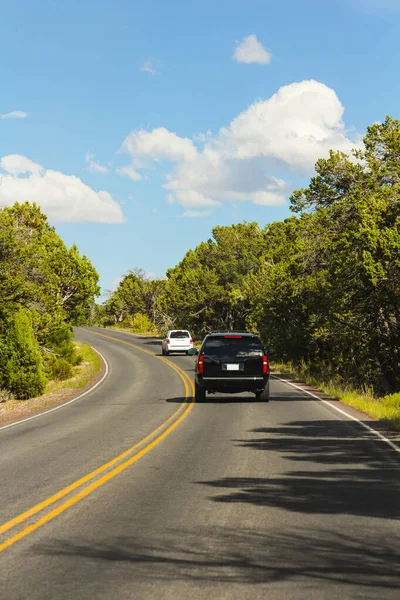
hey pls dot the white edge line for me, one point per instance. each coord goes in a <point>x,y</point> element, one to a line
<point>343,412</point>
<point>46,412</point>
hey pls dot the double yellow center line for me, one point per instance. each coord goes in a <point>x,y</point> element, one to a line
<point>110,469</point>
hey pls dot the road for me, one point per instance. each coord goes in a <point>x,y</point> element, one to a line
<point>229,499</point>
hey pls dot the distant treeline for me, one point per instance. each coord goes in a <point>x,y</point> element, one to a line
<point>323,286</point>
<point>45,288</point>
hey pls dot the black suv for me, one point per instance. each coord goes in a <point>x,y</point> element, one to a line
<point>231,362</point>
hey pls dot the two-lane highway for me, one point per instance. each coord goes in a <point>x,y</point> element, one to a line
<point>135,492</point>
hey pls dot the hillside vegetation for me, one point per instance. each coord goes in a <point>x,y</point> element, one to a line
<point>322,287</point>
<point>45,288</point>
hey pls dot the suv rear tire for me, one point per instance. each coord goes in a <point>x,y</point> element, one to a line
<point>199,393</point>
<point>264,395</point>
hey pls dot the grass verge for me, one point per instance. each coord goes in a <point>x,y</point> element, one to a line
<point>56,391</point>
<point>386,409</point>
<point>152,333</point>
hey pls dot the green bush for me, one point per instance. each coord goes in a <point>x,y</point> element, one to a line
<point>392,400</point>
<point>6,395</point>
<point>79,359</point>
<point>22,369</point>
<point>59,368</point>
<point>142,324</point>
<point>139,324</point>
<point>61,343</point>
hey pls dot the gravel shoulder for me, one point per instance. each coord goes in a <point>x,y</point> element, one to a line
<point>56,391</point>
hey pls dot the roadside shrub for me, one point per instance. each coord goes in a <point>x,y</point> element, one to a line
<point>142,324</point>
<point>61,343</point>
<point>5,395</point>
<point>79,358</point>
<point>392,400</point>
<point>20,359</point>
<point>59,368</point>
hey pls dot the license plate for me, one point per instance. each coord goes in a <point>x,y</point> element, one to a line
<point>232,367</point>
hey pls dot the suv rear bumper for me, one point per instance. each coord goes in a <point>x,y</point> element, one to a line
<point>178,348</point>
<point>232,384</point>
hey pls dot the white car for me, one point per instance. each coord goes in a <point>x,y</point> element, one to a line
<point>177,340</point>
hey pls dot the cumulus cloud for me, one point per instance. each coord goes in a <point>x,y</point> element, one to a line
<point>129,172</point>
<point>93,166</point>
<point>296,126</point>
<point>15,114</point>
<point>256,156</point>
<point>64,198</point>
<point>188,197</point>
<point>250,50</point>
<point>159,144</point>
<point>14,164</point>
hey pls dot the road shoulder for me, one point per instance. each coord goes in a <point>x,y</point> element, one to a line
<point>86,375</point>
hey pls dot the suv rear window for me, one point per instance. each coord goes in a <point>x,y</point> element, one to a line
<point>244,346</point>
<point>179,334</point>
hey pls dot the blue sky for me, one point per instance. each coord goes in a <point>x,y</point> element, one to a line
<point>138,126</point>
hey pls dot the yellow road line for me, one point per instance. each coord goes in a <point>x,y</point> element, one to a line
<point>93,486</point>
<point>35,509</point>
<point>169,363</point>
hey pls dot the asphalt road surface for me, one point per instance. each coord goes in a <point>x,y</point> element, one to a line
<point>134,492</point>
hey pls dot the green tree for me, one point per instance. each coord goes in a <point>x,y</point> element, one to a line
<point>40,275</point>
<point>362,199</point>
<point>21,363</point>
<point>128,299</point>
<point>322,286</point>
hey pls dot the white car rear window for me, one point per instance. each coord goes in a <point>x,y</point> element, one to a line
<point>179,334</point>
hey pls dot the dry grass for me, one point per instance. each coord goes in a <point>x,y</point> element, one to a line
<point>386,409</point>
<point>56,391</point>
<point>152,333</point>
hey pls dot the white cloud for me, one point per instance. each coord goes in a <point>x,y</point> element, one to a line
<point>250,50</point>
<point>93,166</point>
<point>159,144</point>
<point>149,65</point>
<point>64,198</point>
<point>129,172</point>
<point>296,126</point>
<point>189,198</point>
<point>255,157</point>
<point>14,164</point>
<point>15,114</point>
<point>202,137</point>
<point>194,214</point>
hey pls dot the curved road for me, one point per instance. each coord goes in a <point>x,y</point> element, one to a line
<point>133,492</point>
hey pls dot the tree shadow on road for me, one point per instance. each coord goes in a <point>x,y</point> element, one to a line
<point>344,470</point>
<point>223,400</point>
<point>245,556</point>
<point>289,396</point>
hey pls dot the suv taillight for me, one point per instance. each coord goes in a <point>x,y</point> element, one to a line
<point>265,364</point>
<point>200,364</point>
<point>167,341</point>
<point>190,341</point>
